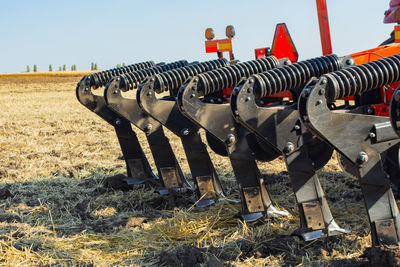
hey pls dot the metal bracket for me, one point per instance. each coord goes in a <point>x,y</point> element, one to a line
<point>313,215</point>
<point>137,168</point>
<point>206,187</point>
<point>253,199</point>
<point>137,173</point>
<point>386,231</point>
<point>129,143</point>
<point>170,178</point>
<point>383,132</point>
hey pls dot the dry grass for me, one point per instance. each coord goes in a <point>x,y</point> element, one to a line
<point>54,155</point>
<point>53,74</point>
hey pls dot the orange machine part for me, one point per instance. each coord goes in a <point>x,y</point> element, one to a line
<point>381,109</point>
<point>376,53</point>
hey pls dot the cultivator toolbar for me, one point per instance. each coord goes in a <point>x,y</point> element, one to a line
<point>136,161</point>
<point>359,137</point>
<point>134,110</point>
<point>99,79</point>
<point>225,136</point>
<point>278,125</point>
<point>259,110</point>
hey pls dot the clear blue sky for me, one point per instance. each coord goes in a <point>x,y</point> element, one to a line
<point>108,32</point>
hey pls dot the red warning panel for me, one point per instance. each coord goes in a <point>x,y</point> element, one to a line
<point>283,46</point>
<point>397,34</point>
<point>224,45</point>
<point>212,46</point>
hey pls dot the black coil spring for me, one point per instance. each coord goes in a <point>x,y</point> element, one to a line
<point>132,80</point>
<point>101,78</point>
<point>227,77</point>
<point>294,75</point>
<point>359,79</point>
<point>173,79</point>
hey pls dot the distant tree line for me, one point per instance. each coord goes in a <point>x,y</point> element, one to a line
<point>93,66</point>
<point>62,67</point>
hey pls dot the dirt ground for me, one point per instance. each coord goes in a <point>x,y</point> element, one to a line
<point>59,206</point>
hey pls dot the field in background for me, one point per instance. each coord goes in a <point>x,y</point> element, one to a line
<point>54,74</point>
<point>55,207</point>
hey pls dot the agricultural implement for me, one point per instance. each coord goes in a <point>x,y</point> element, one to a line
<point>202,101</point>
<point>259,110</point>
<point>151,113</point>
<point>306,149</point>
<point>241,140</point>
<point>361,138</point>
<point>138,168</point>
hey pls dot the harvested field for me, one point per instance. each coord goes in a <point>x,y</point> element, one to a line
<point>57,208</point>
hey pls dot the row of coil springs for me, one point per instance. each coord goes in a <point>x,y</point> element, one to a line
<point>293,75</point>
<point>173,79</point>
<point>227,77</point>
<point>101,78</point>
<point>132,80</point>
<point>359,79</point>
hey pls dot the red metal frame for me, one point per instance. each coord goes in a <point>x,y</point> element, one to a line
<point>260,52</point>
<point>324,27</point>
<point>283,47</point>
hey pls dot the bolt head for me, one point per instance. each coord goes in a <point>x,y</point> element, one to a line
<point>185,131</point>
<point>192,95</point>
<point>117,121</point>
<point>230,139</point>
<point>319,102</point>
<point>86,89</point>
<point>362,157</point>
<point>372,135</point>
<point>149,93</point>
<point>297,127</point>
<point>397,96</point>
<point>248,98</point>
<point>148,127</point>
<point>289,148</point>
<point>321,91</point>
<point>116,92</point>
<point>323,81</point>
